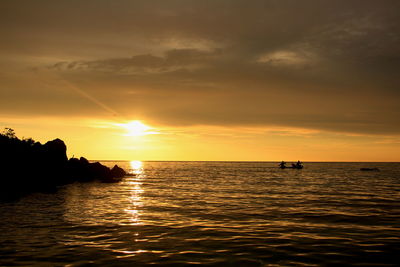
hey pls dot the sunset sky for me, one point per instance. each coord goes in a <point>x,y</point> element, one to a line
<point>315,80</point>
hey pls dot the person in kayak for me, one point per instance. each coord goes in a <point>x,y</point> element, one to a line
<point>299,165</point>
<point>282,165</point>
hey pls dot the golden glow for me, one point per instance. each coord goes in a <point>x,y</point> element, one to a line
<point>105,139</point>
<point>136,166</point>
<point>137,128</point>
<point>135,199</point>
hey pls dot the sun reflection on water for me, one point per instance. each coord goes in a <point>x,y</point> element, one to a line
<point>135,187</point>
<point>136,167</point>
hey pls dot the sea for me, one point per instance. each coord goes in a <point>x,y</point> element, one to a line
<point>212,213</point>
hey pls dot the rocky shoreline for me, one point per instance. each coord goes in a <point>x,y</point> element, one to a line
<point>27,166</point>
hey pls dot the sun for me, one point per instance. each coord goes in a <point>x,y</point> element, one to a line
<point>137,128</point>
<point>136,164</point>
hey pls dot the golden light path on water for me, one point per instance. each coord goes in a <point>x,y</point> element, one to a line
<point>136,166</point>
<point>211,213</point>
<point>135,184</point>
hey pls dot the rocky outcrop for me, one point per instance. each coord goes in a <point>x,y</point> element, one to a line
<point>28,166</point>
<point>82,170</point>
<point>118,172</point>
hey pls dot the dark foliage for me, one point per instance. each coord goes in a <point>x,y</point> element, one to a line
<point>27,166</point>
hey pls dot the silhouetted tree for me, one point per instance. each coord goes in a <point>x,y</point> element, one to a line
<point>28,141</point>
<point>8,132</point>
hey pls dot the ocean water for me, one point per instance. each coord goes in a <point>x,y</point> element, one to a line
<point>212,213</point>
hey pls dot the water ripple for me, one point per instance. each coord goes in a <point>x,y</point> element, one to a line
<point>212,213</point>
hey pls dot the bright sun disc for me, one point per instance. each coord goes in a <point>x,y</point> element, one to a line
<point>137,128</point>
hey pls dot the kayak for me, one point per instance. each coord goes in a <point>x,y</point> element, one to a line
<point>298,168</point>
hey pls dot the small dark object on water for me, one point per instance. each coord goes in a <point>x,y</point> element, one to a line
<point>370,169</point>
<point>297,165</point>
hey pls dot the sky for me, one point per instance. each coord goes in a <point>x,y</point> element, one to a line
<point>315,80</point>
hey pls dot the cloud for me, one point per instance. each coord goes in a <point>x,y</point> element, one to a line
<point>287,58</point>
<point>324,65</point>
<point>172,60</point>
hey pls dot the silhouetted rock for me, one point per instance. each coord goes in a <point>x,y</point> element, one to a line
<point>56,150</point>
<point>117,172</point>
<point>83,161</point>
<point>82,170</point>
<point>99,171</point>
<point>28,166</point>
<point>78,170</point>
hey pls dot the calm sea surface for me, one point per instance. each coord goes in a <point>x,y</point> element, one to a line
<point>212,213</point>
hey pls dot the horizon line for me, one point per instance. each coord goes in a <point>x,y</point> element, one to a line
<point>254,161</point>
